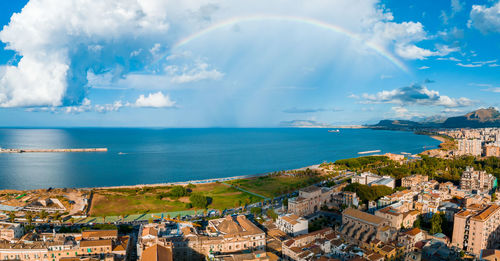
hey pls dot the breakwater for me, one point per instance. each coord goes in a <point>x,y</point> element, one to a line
<point>53,150</point>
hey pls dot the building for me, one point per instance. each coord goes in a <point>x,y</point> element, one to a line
<point>413,180</point>
<point>58,246</point>
<point>491,151</point>
<point>409,238</point>
<point>362,227</point>
<point>310,200</point>
<point>477,180</point>
<point>368,178</point>
<point>474,230</point>
<point>365,178</point>
<point>223,235</point>
<point>396,218</point>
<point>292,224</point>
<point>157,253</point>
<point>10,231</point>
<point>306,246</point>
<point>469,147</point>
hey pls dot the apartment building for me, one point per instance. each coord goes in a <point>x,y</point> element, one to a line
<point>474,230</point>
<point>223,235</point>
<point>469,147</point>
<point>10,231</point>
<point>310,200</point>
<point>396,218</point>
<point>413,180</point>
<point>292,224</point>
<point>55,247</point>
<point>477,180</point>
<point>305,247</point>
<point>492,151</point>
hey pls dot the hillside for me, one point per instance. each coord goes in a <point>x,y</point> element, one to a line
<point>480,118</point>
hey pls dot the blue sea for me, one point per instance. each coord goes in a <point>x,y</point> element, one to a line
<point>146,156</point>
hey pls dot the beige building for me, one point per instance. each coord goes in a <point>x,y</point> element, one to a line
<point>409,238</point>
<point>398,219</point>
<point>362,227</point>
<point>10,231</point>
<point>55,247</point>
<point>292,224</point>
<point>469,147</point>
<point>307,246</point>
<point>474,230</point>
<point>413,180</point>
<point>476,180</point>
<point>491,151</point>
<point>310,200</point>
<point>224,235</point>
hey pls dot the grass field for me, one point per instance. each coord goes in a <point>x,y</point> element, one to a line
<point>116,202</point>
<point>275,185</point>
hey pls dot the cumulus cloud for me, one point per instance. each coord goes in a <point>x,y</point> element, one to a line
<point>416,94</point>
<point>154,100</point>
<point>485,19</point>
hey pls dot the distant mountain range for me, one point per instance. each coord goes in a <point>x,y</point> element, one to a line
<point>480,118</point>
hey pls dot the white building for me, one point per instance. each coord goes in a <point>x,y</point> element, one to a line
<point>469,147</point>
<point>368,178</point>
<point>292,224</point>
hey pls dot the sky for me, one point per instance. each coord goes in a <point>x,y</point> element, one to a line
<point>233,63</point>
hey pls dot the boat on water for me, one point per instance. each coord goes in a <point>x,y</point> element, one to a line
<point>122,153</point>
<point>334,130</point>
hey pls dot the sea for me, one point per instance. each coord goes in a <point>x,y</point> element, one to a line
<point>149,156</point>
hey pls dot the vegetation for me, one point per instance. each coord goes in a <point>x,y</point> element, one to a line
<point>279,183</point>
<point>270,213</point>
<point>198,200</point>
<point>256,211</point>
<point>368,193</point>
<point>359,163</point>
<point>127,201</point>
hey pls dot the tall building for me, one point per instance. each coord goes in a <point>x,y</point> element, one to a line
<point>477,180</point>
<point>469,147</point>
<point>474,230</point>
<point>491,151</point>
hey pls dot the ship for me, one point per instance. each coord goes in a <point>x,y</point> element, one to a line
<point>334,130</point>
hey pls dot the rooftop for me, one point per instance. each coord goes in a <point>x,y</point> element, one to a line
<point>363,216</point>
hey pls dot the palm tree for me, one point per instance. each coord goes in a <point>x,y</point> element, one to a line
<point>43,214</point>
<point>29,217</point>
<point>12,216</point>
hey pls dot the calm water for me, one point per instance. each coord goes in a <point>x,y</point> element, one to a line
<point>169,155</point>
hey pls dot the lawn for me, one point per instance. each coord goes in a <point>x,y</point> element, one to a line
<point>275,185</point>
<point>116,202</point>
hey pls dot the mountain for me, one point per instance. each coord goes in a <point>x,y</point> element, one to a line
<point>480,118</point>
<point>489,117</point>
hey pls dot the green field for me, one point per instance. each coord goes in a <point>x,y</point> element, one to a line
<point>275,185</point>
<point>121,202</point>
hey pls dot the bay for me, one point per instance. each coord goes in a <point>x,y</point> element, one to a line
<point>148,156</point>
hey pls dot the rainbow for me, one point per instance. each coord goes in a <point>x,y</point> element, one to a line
<point>303,20</point>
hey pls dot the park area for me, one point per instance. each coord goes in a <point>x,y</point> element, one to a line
<point>274,185</point>
<point>161,199</point>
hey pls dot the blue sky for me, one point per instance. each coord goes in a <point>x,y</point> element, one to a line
<point>235,63</point>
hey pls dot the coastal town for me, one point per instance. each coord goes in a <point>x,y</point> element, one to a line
<point>375,207</point>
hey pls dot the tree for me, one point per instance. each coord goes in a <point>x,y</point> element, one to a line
<point>177,192</point>
<point>436,222</point>
<point>29,217</point>
<point>12,216</point>
<point>198,200</point>
<point>418,222</point>
<point>43,214</point>
<point>493,197</point>
<point>270,213</point>
<point>256,211</point>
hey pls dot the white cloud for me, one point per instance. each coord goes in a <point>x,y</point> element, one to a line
<point>416,94</point>
<point>404,113</point>
<point>485,19</point>
<point>49,35</point>
<point>115,106</point>
<point>448,59</point>
<point>199,71</point>
<point>424,67</point>
<point>491,63</point>
<point>154,100</point>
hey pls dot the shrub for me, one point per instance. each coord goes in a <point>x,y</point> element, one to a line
<point>198,200</point>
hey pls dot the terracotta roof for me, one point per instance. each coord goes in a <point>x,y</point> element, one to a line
<point>490,254</point>
<point>486,213</point>
<point>96,243</point>
<point>149,231</point>
<point>229,226</point>
<point>413,232</point>
<point>157,253</point>
<point>363,216</point>
<point>292,219</point>
<point>99,233</point>
<point>123,243</point>
<point>387,249</point>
